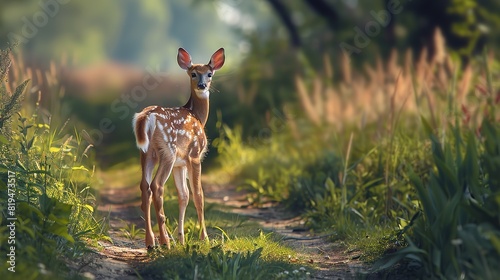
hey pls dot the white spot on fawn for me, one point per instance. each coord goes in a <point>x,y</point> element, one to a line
<point>162,132</point>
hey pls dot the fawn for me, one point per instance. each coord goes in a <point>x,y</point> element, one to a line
<point>175,138</point>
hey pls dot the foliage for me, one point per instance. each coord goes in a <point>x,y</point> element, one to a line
<point>10,102</point>
<point>132,232</point>
<point>366,193</point>
<point>257,257</point>
<point>238,249</point>
<point>267,176</point>
<point>46,184</point>
<point>459,232</point>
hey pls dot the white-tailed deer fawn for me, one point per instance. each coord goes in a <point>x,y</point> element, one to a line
<point>176,138</point>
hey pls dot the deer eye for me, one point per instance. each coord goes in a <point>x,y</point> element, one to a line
<point>209,75</point>
<point>193,75</point>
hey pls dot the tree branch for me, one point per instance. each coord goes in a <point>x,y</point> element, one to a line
<point>284,15</point>
<point>322,8</point>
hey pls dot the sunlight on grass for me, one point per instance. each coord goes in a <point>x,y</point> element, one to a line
<point>51,171</point>
<point>240,258</point>
<point>358,157</point>
<point>238,249</point>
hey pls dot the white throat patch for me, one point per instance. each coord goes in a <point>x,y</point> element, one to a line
<point>203,94</point>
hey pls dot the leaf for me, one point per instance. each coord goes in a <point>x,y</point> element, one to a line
<point>392,259</point>
<point>4,140</point>
<point>471,168</point>
<point>89,207</point>
<point>423,195</point>
<point>81,167</point>
<point>329,184</point>
<point>60,230</point>
<point>4,168</point>
<point>427,127</point>
<point>25,207</point>
<point>19,163</point>
<point>60,212</point>
<point>43,125</point>
<point>26,227</point>
<point>30,143</point>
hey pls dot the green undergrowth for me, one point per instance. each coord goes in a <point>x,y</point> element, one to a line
<point>358,192</point>
<point>237,249</point>
<point>458,234</point>
<point>48,204</point>
<point>250,257</point>
<point>418,186</point>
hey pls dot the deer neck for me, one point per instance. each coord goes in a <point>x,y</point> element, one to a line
<point>198,107</point>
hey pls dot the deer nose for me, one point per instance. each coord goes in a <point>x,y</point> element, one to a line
<point>202,86</point>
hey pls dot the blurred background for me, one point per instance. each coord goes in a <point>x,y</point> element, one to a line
<point>113,58</point>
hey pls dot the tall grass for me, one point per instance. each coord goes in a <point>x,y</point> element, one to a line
<point>459,232</point>
<point>52,197</point>
<point>351,150</point>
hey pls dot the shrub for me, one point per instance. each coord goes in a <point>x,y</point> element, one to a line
<point>45,186</point>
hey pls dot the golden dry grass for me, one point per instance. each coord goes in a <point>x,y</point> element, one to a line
<point>380,92</point>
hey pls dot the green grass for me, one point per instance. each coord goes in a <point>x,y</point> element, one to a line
<point>237,249</point>
<point>385,186</point>
<point>132,232</point>
<point>240,258</point>
<point>46,172</point>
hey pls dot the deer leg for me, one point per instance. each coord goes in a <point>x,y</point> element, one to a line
<point>183,194</point>
<point>164,170</point>
<point>148,162</point>
<point>197,190</point>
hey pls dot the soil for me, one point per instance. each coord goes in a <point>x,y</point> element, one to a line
<point>121,258</point>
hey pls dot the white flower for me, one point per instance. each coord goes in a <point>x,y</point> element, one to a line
<point>295,271</point>
<point>302,268</point>
<point>286,272</point>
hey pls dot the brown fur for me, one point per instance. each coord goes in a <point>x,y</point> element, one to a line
<point>174,138</point>
<point>140,124</point>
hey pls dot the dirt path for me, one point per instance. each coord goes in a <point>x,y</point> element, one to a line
<point>121,258</point>
<point>331,259</point>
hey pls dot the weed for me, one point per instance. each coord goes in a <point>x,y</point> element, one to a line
<point>53,202</point>
<point>457,234</point>
<point>237,258</point>
<point>356,159</point>
<point>131,232</point>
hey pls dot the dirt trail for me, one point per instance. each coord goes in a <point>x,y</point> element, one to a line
<point>331,259</point>
<point>121,258</point>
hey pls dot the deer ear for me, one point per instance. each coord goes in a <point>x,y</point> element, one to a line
<point>184,59</point>
<point>217,59</point>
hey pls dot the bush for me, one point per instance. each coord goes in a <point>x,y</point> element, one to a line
<point>458,233</point>
<point>45,186</point>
